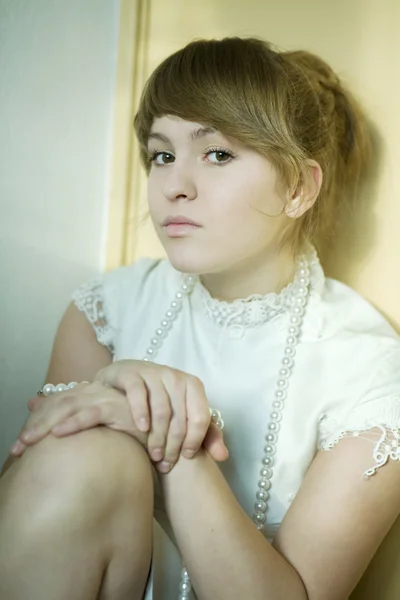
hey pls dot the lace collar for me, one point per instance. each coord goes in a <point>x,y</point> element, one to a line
<point>257,309</point>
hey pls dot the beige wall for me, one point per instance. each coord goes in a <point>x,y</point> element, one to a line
<point>360,40</point>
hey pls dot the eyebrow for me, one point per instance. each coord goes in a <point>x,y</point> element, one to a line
<point>195,135</point>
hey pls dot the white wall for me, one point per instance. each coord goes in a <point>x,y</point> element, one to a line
<point>57,66</point>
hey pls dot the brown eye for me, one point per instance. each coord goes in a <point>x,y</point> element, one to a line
<point>219,156</point>
<point>162,158</point>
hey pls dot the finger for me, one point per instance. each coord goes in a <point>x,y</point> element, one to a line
<point>137,394</point>
<point>18,448</point>
<point>87,418</point>
<point>198,417</point>
<point>47,416</point>
<point>214,444</point>
<point>33,403</point>
<point>176,389</point>
<point>122,376</point>
<point>160,415</point>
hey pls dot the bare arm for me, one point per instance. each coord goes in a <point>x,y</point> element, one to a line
<point>327,539</point>
<point>76,354</point>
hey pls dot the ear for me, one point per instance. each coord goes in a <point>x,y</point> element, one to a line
<point>306,192</point>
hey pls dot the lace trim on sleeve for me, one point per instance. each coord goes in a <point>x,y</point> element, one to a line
<point>382,432</point>
<point>89,299</point>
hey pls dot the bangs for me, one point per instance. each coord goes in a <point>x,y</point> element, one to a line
<point>210,82</point>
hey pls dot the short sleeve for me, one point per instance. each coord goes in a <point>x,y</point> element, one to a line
<point>375,416</point>
<point>104,298</point>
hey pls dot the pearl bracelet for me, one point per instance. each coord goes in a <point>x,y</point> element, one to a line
<point>49,389</point>
<point>216,418</point>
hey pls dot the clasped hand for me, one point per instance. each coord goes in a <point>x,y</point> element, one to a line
<point>165,409</point>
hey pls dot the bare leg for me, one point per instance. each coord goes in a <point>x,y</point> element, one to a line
<point>76,519</point>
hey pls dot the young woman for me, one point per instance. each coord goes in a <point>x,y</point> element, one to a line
<point>252,155</point>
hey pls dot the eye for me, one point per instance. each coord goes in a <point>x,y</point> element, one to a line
<point>217,156</point>
<point>160,158</point>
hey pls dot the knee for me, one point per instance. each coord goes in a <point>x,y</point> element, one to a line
<point>90,471</point>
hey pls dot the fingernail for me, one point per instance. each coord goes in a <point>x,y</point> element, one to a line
<point>157,453</point>
<point>188,453</point>
<point>27,436</point>
<point>16,447</point>
<point>164,466</point>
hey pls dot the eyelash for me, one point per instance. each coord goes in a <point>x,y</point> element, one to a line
<point>153,155</point>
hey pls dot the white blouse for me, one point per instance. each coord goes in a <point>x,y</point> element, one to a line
<point>345,380</point>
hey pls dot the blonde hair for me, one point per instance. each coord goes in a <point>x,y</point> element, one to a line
<point>288,106</point>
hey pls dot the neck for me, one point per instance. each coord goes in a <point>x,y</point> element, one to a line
<point>262,276</point>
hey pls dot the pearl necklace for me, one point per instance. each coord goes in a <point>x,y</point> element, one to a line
<point>299,294</point>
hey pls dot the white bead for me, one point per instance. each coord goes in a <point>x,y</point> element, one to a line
<point>185,586</point>
<point>150,351</point>
<point>278,404</point>
<point>298,310</point>
<point>276,416</point>
<point>169,314</point>
<point>166,324</point>
<point>61,387</point>
<point>145,359</point>
<point>275,427</point>
<point>268,471</point>
<point>295,319</point>
<point>287,361</point>
<point>48,389</point>
<point>264,474</point>
<point>259,517</point>
<point>184,573</point>
<point>179,295</point>
<point>291,340</point>
<point>264,484</point>
<point>271,437</point>
<point>282,383</point>
<point>270,449</point>
<point>290,351</point>
<point>71,385</point>
<point>160,332</point>
<point>280,394</point>
<point>185,287</point>
<point>260,526</point>
<point>260,506</point>
<point>262,495</point>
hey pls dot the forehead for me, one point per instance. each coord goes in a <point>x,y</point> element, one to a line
<point>171,126</point>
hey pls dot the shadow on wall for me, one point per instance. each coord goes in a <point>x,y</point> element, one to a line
<point>353,239</point>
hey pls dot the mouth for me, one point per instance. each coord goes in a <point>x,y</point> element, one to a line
<point>175,230</point>
<point>179,220</point>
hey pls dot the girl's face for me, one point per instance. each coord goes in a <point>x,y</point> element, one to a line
<point>198,174</point>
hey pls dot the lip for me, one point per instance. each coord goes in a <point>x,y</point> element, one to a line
<point>179,220</point>
<point>175,230</point>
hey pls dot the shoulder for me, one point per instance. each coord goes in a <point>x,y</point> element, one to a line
<point>350,325</point>
<point>106,299</point>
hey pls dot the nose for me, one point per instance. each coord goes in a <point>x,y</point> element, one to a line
<point>179,184</point>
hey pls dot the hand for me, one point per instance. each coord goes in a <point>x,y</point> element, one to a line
<point>168,404</point>
<point>85,406</point>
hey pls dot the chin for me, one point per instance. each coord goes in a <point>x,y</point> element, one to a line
<point>185,262</point>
